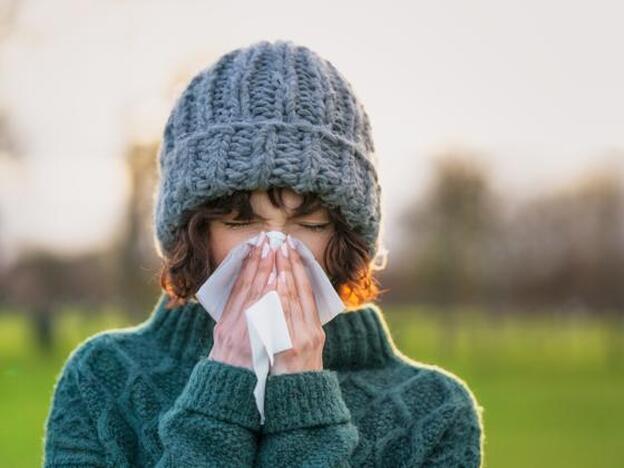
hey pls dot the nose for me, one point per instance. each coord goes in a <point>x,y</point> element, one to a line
<point>276,237</point>
<point>275,227</point>
<point>275,233</point>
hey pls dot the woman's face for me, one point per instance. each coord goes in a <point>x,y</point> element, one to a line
<point>314,229</point>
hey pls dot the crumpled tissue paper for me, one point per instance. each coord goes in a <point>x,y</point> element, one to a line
<point>266,324</point>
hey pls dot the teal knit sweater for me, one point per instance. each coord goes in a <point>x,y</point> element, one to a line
<point>148,396</point>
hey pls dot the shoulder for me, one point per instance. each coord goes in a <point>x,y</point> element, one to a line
<point>441,407</point>
<point>106,355</point>
<point>452,388</point>
<point>431,391</point>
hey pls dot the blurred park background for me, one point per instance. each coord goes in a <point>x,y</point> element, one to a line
<point>500,136</point>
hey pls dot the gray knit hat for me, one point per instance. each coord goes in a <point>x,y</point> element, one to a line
<point>270,114</point>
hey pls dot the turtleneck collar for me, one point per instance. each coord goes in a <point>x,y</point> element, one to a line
<point>355,339</point>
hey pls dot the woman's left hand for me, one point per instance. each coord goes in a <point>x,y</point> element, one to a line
<point>305,328</point>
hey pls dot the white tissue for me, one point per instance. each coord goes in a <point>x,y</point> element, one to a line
<point>266,324</point>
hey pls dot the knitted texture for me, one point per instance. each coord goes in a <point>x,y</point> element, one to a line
<point>269,114</point>
<point>148,396</point>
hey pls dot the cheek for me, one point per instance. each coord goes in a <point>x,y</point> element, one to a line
<point>222,241</point>
<point>317,243</point>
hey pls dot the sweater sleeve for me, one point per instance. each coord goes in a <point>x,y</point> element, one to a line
<point>307,422</point>
<point>214,421</point>
<point>70,435</point>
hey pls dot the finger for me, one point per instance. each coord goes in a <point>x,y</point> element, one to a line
<point>293,298</point>
<point>272,280</point>
<point>251,263</point>
<point>240,289</point>
<point>262,274</point>
<point>285,301</point>
<point>303,286</point>
<point>282,290</point>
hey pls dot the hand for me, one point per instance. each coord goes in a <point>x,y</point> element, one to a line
<point>305,328</point>
<point>230,336</point>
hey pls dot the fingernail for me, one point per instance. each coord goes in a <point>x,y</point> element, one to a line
<point>284,249</point>
<point>282,277</point>
<point>265,250</point>
<point>260,238</point>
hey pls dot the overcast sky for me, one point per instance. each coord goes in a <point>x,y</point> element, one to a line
<point>536,87</point>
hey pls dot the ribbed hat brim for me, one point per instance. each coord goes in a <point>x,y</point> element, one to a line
<point>254,156</point>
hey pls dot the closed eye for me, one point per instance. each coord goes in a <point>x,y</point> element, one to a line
<point>312,227</point>
<point>316,227</point>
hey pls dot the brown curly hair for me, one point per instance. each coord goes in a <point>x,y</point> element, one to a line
<point>184,268</point>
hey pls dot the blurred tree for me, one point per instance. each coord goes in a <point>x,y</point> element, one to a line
<point>137,262</point>
<point>569,252</point>
<point>448,233</point>
<point>10,146</point>
<point>40,283</point>
<point>570,246</point>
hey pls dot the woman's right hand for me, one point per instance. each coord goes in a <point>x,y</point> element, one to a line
<point>230,337</point>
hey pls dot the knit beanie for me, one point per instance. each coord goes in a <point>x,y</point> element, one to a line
<point>269,114</point>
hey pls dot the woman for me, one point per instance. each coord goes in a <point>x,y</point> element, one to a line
<point>270,137</point>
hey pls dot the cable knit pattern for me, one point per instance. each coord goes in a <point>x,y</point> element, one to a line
<point>270,114</point>
<point>148,396</point>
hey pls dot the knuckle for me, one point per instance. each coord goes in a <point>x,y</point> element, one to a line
<point>245,284</point>
<point>310,343</point>
<point>293,296</point>
<point>314,340</point>
<point>230,340</point>
<point>219,332</point>
<point>258,285</point>
<point>251,300</point>
<point>320,337</point>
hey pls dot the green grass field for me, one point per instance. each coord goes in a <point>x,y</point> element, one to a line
<point>552,389</point>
